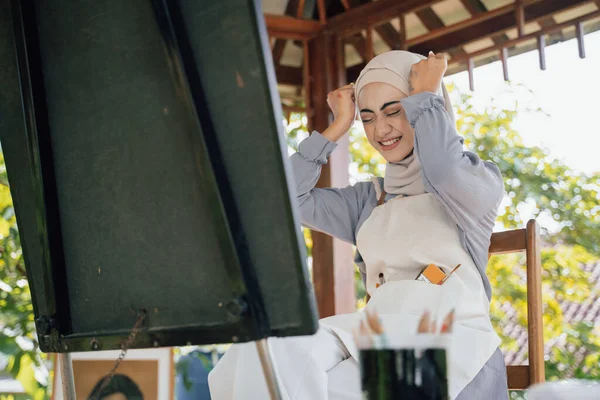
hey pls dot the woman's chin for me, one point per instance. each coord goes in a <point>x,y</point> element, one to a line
<point>395,155</point>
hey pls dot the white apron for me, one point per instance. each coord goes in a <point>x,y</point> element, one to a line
<point>398,240</point>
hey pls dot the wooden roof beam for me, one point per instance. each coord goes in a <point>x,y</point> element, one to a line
<point>432,22</point>
<point>300,9</point>
<point>386,31</point>
<point>359,43</point>
<point>284,27</point>
<point>322,12</point>
<point>356,40</point>
<point>531,36</point>
<point>289,75</point>
<point>353,72</point>
<point>388,34</point>
<point>370,51</point>
<point>476,7</point>
<point>491,27</point>
<point>477,19</point>
<point>373,14</point>
<point>278,48</point>
<point>305,8</point>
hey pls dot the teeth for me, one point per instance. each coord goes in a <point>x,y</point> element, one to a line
<point>390,142</point>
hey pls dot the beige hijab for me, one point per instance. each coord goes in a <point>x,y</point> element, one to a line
<point>393,68</point>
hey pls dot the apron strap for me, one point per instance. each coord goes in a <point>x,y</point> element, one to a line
<point>381,197</point>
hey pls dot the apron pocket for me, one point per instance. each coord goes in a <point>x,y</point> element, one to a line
<point>410,296</point>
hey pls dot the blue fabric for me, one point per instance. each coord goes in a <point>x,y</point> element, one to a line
<point>490,383</point>
<point>191,381</point>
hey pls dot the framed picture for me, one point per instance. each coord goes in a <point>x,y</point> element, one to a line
<point>142,375</point>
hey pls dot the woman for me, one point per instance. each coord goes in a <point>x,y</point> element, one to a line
<point>436,204</point>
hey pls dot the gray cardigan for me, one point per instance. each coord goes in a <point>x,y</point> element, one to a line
<point>469,189</point>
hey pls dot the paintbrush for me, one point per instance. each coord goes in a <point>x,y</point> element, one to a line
<point>447,276</point>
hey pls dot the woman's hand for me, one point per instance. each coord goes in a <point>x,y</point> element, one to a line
<point>342,104</point>
<point>426,75</point>
<point>428,325</point>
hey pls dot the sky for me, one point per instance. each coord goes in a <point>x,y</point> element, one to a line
<point>568,91</point>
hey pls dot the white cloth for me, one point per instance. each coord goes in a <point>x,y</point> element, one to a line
<point>308,366</point>
<point>393,67</point>
<point>404,177</point>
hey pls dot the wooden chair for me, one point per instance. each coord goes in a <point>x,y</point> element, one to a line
<point>520,377</point>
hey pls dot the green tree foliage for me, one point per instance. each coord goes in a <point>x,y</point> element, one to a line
<point>533,176</point>
<point>565,202</point>
<point>18,344</point>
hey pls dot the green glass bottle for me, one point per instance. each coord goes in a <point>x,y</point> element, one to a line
<point>406,374</point>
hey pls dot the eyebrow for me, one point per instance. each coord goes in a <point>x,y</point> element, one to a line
<point>389,103</point>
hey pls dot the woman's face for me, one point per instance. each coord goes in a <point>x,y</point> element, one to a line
<point>385,122</point>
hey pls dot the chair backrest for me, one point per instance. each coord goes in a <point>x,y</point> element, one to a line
<point>520,377</point>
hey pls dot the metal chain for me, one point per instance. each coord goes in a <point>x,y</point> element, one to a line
<point>124,347</point>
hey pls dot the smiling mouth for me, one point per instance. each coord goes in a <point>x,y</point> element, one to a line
<point>391,141</point>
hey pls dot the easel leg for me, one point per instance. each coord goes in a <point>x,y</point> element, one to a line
<point>269,371</point>
<point>66,372</point>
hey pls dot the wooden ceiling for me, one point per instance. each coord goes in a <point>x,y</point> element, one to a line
<point>470,32</point>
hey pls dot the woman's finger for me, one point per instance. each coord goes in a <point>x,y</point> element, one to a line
<point>424,323</point>
<point>370,321</point>
<point>362,338</point>
<point>362,329</point>
<point>374,322</point>
<point>447,324</point>
<point>346,87</point>
<point>345,90</point>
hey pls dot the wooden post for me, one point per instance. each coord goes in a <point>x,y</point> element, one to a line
<point>300,12</point>
<point>402,32</point>
<point>339,67</point>
<point>67,379</point>
<point>322,12</point>
<point>541,42</point>
<point>333,270</point>
<point>580,43</point>
<point>470,69</point>
<point>306,82</point>
<point>535,323</point>
<point>504,59</point>
<point>520,18</point>
<point>269,370</point>
<point>370,52</point>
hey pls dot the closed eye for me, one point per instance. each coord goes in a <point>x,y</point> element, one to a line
<point>367,119</point>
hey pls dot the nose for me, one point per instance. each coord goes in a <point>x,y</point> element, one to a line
<point>382,128</point>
